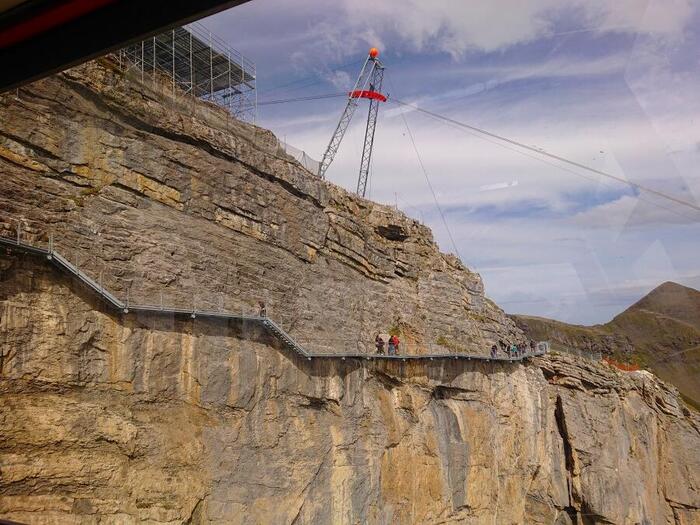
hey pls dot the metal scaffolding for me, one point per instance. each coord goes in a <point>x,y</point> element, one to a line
<point>196,63</point>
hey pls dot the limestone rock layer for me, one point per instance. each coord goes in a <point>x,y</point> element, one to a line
<point>159,419</point>
<point>175,200</point>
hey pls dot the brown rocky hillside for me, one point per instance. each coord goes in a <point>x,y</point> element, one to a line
<point>660,332</point>
<point>670,300</point>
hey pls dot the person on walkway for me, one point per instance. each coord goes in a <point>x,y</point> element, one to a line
<point>392,347</point>
<point>262,310</point>
<point>494,350</point>
<point>533,346</point>
<point>379,344</point>
<point>513,351</point>
<point>395,341</point>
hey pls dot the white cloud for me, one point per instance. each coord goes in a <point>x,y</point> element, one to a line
<point>498,186</point>
<point>664,17</point>
<point>497,75</point>
<point>628,211</point>
<point>458,27</point>
<point>309,32</point>
<point>339,79</point>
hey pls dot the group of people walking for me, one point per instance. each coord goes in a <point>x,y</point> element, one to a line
<point>513,350</point>
<point>510,350</point>
<point>393,344</point>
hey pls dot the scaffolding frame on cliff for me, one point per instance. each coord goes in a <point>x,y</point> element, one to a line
<point>196,63</point>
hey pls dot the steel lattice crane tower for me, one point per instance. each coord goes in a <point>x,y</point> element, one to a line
<point>368,85</point>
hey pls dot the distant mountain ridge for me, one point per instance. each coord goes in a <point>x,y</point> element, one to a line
<point>672,300</point>
<point>660,332</point>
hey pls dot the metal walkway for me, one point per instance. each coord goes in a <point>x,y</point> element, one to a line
<point>270,326</point>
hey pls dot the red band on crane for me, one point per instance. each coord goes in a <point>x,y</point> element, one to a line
<point>376,95</point>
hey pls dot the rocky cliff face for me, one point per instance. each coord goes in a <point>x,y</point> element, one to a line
<point>156,419</point>
<point>174,199</point>
<point>172,420</point>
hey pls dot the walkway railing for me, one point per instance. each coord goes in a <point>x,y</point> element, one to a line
<point>594,355</point>
<point>124,307</point>
<point>408,348</point>
<point>300,155</point>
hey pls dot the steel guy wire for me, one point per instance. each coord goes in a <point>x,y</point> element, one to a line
<point>545,153</point>
<point>427,178</point>
<point>559,166</point>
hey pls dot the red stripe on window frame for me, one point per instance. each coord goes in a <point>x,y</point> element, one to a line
<point>46,20</point>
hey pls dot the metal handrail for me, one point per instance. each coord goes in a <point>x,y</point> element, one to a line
<point>271,326</point>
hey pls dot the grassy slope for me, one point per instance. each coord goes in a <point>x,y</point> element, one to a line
<point>660,332</point>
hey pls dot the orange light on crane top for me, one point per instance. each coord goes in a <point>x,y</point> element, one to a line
<point>374,52</point>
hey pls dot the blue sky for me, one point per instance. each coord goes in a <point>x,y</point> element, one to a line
<point>613,85</point>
